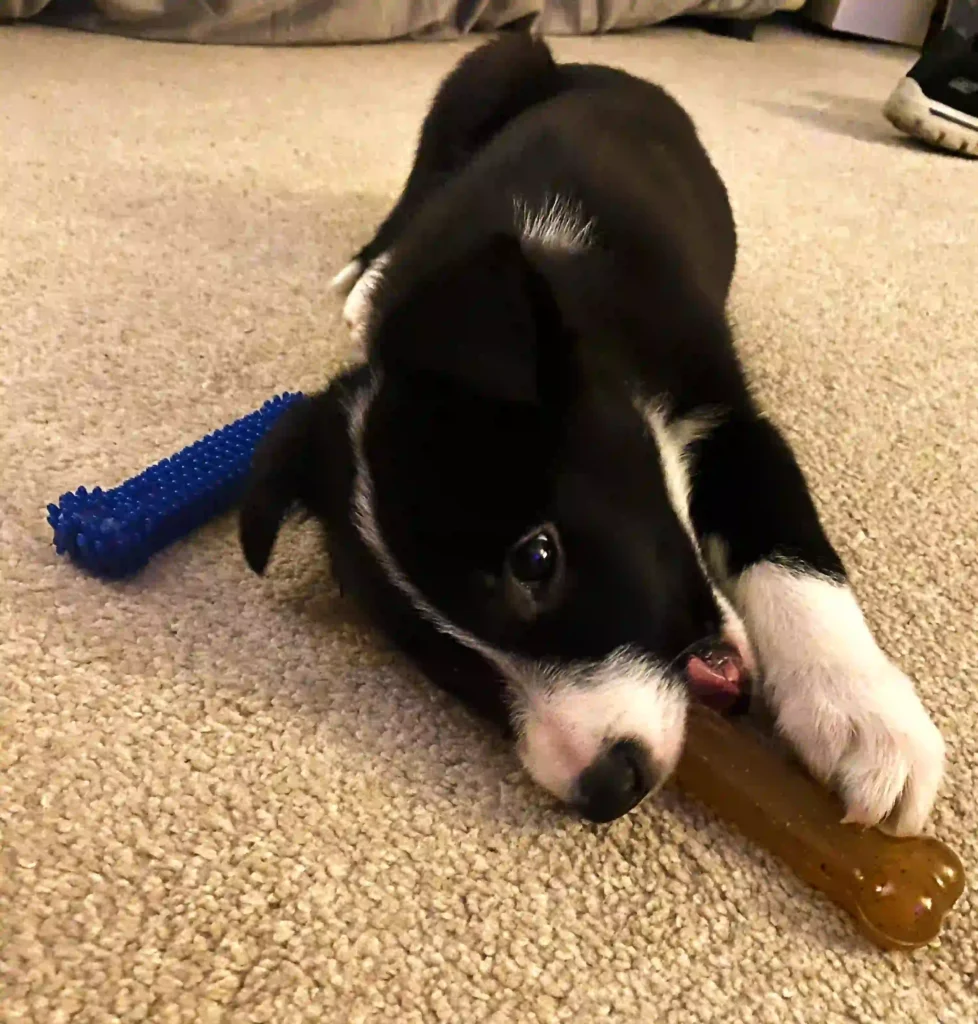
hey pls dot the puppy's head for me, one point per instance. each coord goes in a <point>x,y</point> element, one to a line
<point>528,508</point>
<point>532,510</point>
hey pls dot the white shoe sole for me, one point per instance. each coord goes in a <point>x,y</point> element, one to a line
<point>910,110</point>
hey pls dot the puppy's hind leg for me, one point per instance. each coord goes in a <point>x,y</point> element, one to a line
<point>479,97</point>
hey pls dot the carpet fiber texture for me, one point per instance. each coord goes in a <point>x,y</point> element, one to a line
<point>222,799</point>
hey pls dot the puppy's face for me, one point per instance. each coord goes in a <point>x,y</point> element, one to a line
<point>537,515</point>
<point>530,510</point>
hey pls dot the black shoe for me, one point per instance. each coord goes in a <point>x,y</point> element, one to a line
<point>938,100</point>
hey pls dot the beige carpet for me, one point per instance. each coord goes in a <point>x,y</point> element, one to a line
<point>221,801</point>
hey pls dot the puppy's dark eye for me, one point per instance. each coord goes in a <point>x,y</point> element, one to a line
<point>534,560</point>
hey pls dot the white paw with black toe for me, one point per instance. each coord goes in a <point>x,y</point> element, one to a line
<point>852,716</point>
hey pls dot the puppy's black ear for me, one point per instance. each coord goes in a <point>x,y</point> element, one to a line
<point>487,320</point>
<point>276,482</point>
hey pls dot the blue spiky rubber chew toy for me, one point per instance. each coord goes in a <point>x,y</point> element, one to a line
<point>113,534</point>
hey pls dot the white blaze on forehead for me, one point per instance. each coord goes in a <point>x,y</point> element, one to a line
<point>567,716</point>
<point>557,223</point>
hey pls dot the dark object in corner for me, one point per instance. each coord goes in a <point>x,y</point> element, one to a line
<point>732,28</point>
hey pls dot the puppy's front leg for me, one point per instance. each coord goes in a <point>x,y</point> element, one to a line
<point>853,716</point>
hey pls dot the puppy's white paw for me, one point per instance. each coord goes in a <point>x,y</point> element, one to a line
<point>347,278</point>
<point>359,302</point>
<point>852,715</point>
<point>863,729</point>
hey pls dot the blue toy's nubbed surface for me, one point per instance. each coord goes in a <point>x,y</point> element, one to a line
<point>114,533</point>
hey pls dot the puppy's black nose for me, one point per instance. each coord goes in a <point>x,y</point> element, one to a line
<point>615,782</point>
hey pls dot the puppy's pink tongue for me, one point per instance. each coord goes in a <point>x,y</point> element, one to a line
<point>716,679</point>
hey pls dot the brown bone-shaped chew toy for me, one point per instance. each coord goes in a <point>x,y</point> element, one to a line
<point>898,889</point>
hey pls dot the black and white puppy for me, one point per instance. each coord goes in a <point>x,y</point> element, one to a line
<point>549,470</point>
